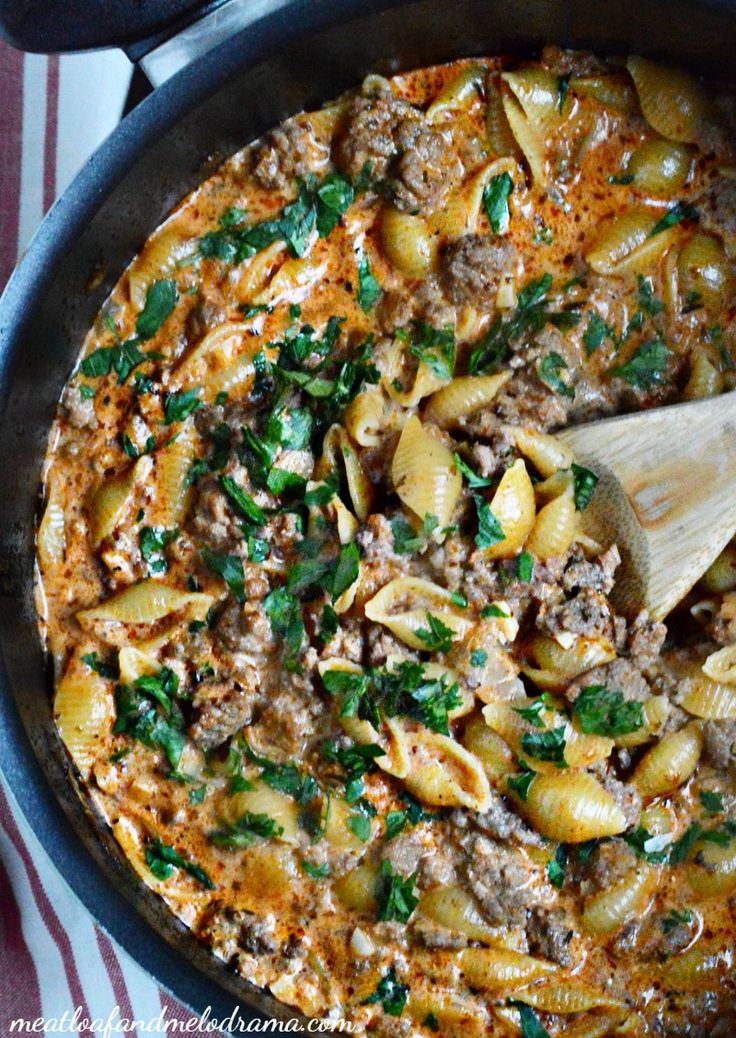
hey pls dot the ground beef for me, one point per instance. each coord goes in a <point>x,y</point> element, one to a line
<point>221,708</point>
<point>717,210</point>
<point>720,744</point>
<point>392,137</point>
<point>612,861</point>
<point>245,631</point>
<point>490,460</point>
<point>549,934</point>
<point>501,822</point>
<point>722,628</point>
<point>619,676</point>
<point>288,152</point>
<point>428,303</point>
<point>625,796</point>
<point>588,614</point>
<point>79,411</point>
<point>201,319</point>
<point>473,266</point>
<point>526,400</point>
<point>569,62</point>
<point>497,876</point>
<point>645,640</point>
<point>598,575</point>
<point>381,563</point>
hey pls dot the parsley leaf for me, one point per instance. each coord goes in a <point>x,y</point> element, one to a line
<point>285,616</point>
<point>390,994</point>
<point>406,539</point>
<point>646,367</point>
<point>602,712</point>
<point>395,894</point>
<point>153,541</point>
<point>437,636</point>
<point>243,502</point>
<point>178,406</point>
<point>647,303</point>
<point>673,919</point>
<point>230,568</point>
<point>245,831</point>
<point>651,847</point>
<point>530,315</point>
<point>711,800</point>
<point>596,332</point>
<point>530,1025</point>
<point>368,288</point>
<point>121,359</point>
<point>584,484</point>
<point>520,783</point>
<point>163,859</point>
<point>315,871</point>
<point>680,211</point>
<point>435,347</point>
<point>147,712</point>
<point>549,372</point>
<point>161,299</point>
<point>496,201</point>
<point>473,480</point>
<point>345,571</point>
<point>412,814</point>
<point>524,566</point>
<point>556,867</point>
<point>103,669</point>
<point>490,531</point>
<point>549,745</point>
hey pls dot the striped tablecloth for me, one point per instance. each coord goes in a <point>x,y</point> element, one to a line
<point>53,958</point>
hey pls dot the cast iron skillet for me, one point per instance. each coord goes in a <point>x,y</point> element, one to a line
<point>297,58</point>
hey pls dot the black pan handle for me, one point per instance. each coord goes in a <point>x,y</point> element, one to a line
<point>55,26</point>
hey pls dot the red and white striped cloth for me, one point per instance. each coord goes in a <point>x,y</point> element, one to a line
<point>53,957</point>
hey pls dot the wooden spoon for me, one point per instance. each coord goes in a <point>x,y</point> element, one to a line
<point>666,495</point>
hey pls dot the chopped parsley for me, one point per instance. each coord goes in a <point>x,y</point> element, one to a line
<point>530,1025</point>
<point>496,195</point>
<point>478,658</point>
<point>596,331</point>
<point>556,867</point>
<point>532,714</point>
<point>493,610</point>
<point>394,894</point>
<point>368,288</point>
<point>161,298</point>
<point>584,484</point>
<point>243,502</point>
<point>647,302</point>
<point>412,814</point>
<point>120,359</point>
<point>550,373</point>
<point>530,315</point>
<point>359,825</point>
<point>163,859</point>
<point>147,711</point>
<point>390,994</point>
<point>285,616</point>
<point>245,831</point>
<point>674,918</point>
<point>473,480</point>
<point>490,531</point>
<point>153,541</point>
<point>710,799</point>
<point>315,871</point>
<point>645,368</point>
<point>680,211</point>
<point>230,568</point>
<point>434,347</point>
<point>436,636</point>
<point>178,406</point>
<point>105,670</point>
<point>547,746</point>
<point>406,539</point>
<point>600,711</point>
<point>520,783</point>
<point>524,566</point>
<point>650,847</point>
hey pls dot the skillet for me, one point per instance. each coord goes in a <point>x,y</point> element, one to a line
<point>299,55</point>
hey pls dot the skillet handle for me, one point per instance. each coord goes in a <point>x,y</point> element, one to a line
<point>56,26</point>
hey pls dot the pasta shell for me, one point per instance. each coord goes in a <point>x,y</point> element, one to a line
<point>572,807</point>
<point>51,537</point>
<point>498,131</point>
<point>292,280</point>
<point>711,869</point>
<point>670,762</point>
<point>461,91</point>
<point>513,505</point>
<point>704,271</point>
<point>443,773</point>
<point>547,453</point>
<point>626,244</point>
<point>454,1015</point>
<point>172,492</point>
<point>402,606</point>
<point>491,750</point>
<point>223,340</point>
<point>566,996</point>
<point>263,800</point>
<point>113,498</point>
<point>660,168</point>
<point>363,417</point>
<point>497,969</point>
<point>424,473</point>
<point>721,575</point>
<point>699,966</point>
<point>337,833</point>
<point>345,522</point>
<point>580,749</point>
<point>162,253</point>
<point>424,380</point>
<point>408,243</point>
<point>673,101</point>
<point>258,271</point>
<point>462,210</point>
<point>457,910</point>
<point>465,395</point>
<point>133,662</point>
<point>655,711</point>
<point>705,380</point>
<point>706,698</point>
<point>83,712</point>
<point>145,603</point>
<point>610,909</point>
<point>357,888</point>
<point>555,528</point>
<point>528,138</point>
<point>612,91</point>
<point>537,91</point>
<point>336,447</point>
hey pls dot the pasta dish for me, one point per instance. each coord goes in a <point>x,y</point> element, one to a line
<point>336,654</point>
